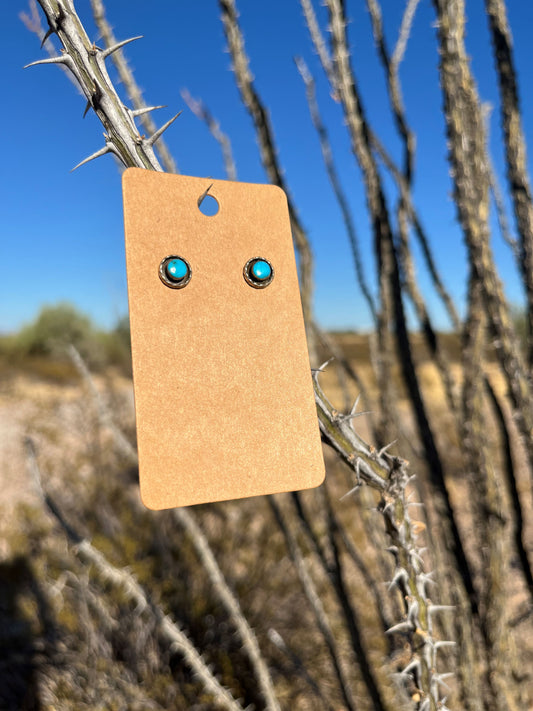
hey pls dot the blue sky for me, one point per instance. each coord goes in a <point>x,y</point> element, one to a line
<point>62,232</point>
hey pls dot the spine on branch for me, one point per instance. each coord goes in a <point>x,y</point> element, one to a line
<point>488,312</point>
<point>471,191</point>
<point>389,475</point>
<point>86,62</point>
<point>391,291</point>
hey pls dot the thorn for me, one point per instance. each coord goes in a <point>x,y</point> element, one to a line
<point>87,107</point>
<point>49,32</point>
<point>355,461</point>
<point>416,556</point>
<point>401,574</point>
<point>63,59</point>
<point>101,152</point>
<point>353,415</point>
<point>413,664</point>
<point>427,578</point>
<point>401,532</point>
<point>422,581</point>
<point>445,643</point>
<point>383,450</point>
<point>353,412</point>
<point>106,52</point>
<point>204,195</point>
<point>352,491</point>
<point>140,112</point>
<point>439,678</point>
<point>392,549</point>
<point>400,627</point>
<point>157,135</point>
<point>323,366</point>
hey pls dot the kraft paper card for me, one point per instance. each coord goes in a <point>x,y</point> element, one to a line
<point>223,390</point>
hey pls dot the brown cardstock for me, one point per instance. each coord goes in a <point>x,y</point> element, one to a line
<point>223,390</point>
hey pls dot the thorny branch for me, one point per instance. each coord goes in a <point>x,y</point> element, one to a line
<point>86,62</point>
<point>515,147</point>
<point>487,306</point>
<point>403,186</point>
<point>141,109</point>
<point>379,470</point>
<point>404,208</point>
<point>386,474</point>
<point>125,581</point>
<point>471,185</point>
<point>390,477</point>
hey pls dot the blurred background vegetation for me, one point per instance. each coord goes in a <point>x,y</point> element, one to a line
<point>41,346</point>
<point>405,581</point>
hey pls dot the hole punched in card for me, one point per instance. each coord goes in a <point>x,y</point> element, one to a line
<point>224,398</point>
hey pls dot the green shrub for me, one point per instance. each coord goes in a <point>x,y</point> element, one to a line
<point>41,346</point>
<point>53,330</point>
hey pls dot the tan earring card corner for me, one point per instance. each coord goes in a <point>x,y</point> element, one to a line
<point>224,399</point>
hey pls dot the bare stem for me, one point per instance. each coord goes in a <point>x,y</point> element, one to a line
<point>515,147</point>
<point>126,582</point>
<point>334,179</point>
<point>200,110</point>
<point>268,151</point>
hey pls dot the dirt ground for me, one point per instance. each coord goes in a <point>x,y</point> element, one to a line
<point>51,413</point>
<point>60,417</point>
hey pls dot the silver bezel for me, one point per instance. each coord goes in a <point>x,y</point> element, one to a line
<point>250,280</point>
<point>166,279</point>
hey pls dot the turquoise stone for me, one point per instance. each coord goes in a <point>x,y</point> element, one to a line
<point>261,270</point>
<point>177,269</point>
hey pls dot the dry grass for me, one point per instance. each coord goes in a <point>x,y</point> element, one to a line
<point>77,644</point>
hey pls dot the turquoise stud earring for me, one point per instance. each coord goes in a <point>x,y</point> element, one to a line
<point>175,272</point>
<point>258,272</point>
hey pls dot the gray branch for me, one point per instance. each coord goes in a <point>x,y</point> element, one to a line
<point>86,62</point>
<point>126,582</point>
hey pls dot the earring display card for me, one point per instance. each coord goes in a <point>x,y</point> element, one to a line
<point>223,390</point>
